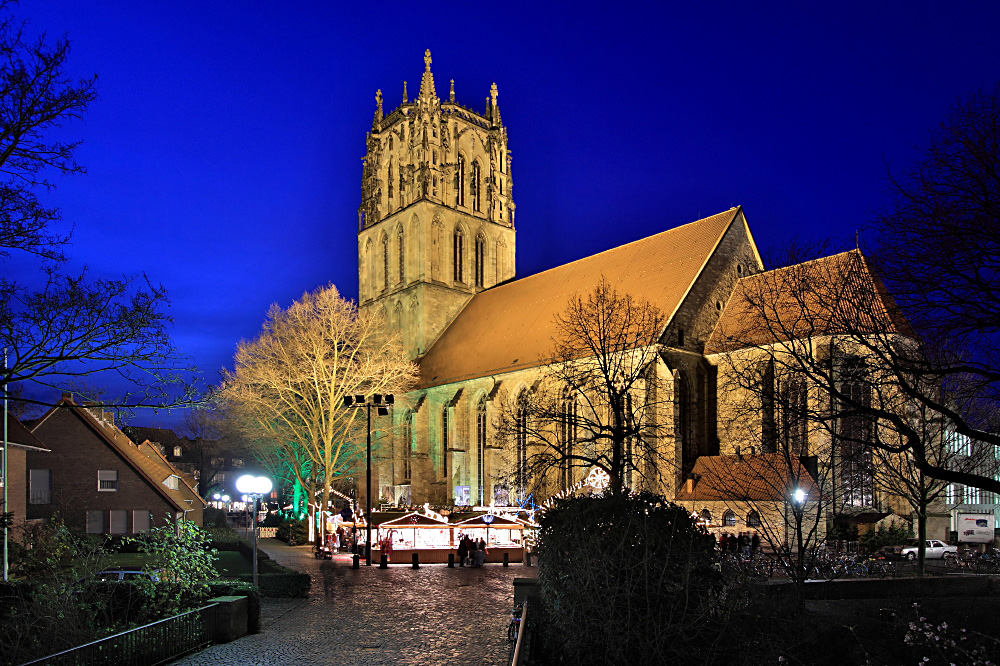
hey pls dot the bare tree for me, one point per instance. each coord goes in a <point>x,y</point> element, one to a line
<point>288,386</point>
<point>594,404</point>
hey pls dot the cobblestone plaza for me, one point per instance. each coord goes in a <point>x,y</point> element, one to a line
<point>431,615</point>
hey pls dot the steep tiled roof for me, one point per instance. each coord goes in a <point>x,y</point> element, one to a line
<point>511,326</point>
<point>761,477</point>
<point>155,472</point>
<point>834,295</point>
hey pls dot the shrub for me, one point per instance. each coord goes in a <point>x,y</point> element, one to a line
<point>626,580</point>
<point>213,517</point>
<point>883,535</point>
<point>299,529</point>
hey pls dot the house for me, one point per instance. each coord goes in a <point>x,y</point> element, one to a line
<point>99,480</point>
<point>19,442</point>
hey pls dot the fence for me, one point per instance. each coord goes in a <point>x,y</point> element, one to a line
<point>149,645</point>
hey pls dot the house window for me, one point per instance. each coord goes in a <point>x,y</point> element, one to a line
<point>458,254</point>
<point>753,519</point>
<point>95,522</point>
<point>172,482</point>
<point>39,486</point>
<point>729,519</point>
<point>119,521</point>
<point>107,480</point>
<point>218,462</point>
<point>237,463</point>
<point>178,452</point>
<point>444,442</point>
<point>140,522</point>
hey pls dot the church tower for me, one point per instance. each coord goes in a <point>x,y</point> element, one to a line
<point>436,222</point>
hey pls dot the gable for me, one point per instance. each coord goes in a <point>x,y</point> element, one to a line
<point>511,326</point>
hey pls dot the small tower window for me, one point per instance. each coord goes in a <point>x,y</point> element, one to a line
<point>480,260</point>
<point>458,254</point>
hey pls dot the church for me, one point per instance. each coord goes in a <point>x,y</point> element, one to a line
<point>437,257</point>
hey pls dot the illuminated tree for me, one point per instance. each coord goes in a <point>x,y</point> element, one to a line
<point>287,388</point>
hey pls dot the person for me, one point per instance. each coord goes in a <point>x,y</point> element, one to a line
<point>478,555</point>
<point>463,551</point>
<point>754,544</point>
<point>723,542</point>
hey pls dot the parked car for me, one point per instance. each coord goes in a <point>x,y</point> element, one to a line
<point>934,549</point>
<point>118,575</point>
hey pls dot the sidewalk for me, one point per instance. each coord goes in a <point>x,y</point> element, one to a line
<point>371,616</point>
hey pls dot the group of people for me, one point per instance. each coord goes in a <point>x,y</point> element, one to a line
<point>471,552</point>
<point>745,544</point>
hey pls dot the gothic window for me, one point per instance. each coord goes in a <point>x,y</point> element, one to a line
<point>567,434</point>
<point>407,443</point>
<point>458,254</point>
<point>753,519</point>
<point>444,442</point>
<point>682,420</point>
<point>480,260</point>
<point>481,448</point>
<point>476,187</point>
<point>397,317</point>
<point>402,185</point>
<point>857,471</point>
<point>370,265</point>
<point>402,255</point>
<point>521,446</point>
<point>729,519</point>
<point>385,261</point>
<point>460,182</point>
<point>792,398</point>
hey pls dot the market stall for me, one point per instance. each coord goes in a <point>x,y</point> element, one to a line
<point>430,536</point>
<point>502,535</point>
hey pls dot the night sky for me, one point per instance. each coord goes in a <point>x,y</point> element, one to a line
<point>224,151</point>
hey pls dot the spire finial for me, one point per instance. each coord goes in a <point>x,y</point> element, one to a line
<point>451,93</point>
<point>378,105</point>
<point>493,94</point>
<point>427,81</point>
<point>427,60</point>
<point>404,92</point>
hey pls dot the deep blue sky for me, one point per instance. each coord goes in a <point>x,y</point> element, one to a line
<point>224,150</point>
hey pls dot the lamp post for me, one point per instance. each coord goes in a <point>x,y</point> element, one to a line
<point>255,487</point>
<point>382,402</point>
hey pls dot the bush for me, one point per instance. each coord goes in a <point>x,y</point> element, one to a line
<point>299,529</point>
<point>627,580</point>
<point>213,517</point>
<point>237,588</point>
<point>883,535</point>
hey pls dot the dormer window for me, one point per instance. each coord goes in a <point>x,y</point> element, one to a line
<point>173,482</point>
<point>178,452</point>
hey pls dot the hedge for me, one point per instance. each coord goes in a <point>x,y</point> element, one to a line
<point>280,585</point>
<point>238,588</point>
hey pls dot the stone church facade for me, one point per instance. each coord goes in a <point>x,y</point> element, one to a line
<point>436,254</point>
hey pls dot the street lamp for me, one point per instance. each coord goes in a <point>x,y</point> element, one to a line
<point>256,487</point>
<point>382,404</point>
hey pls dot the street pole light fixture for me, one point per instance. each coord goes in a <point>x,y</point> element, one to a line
<point>255,487</point>
<point>382,402</point>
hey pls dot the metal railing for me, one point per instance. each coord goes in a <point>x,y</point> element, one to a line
<point>149,645</point>
<point>519,645</point>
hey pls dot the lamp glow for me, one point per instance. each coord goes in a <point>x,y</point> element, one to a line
<point>799,495</point>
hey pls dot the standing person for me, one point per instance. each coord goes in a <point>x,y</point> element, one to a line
<point>463,551</point>
<point>754,544</point>
<point>478,555</point>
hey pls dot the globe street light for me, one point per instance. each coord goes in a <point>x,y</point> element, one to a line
<point>256,487</point>
<point>382,402</point>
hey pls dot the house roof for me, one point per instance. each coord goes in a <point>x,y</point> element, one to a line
<point>153,471</point>
<point>769,477</point>
<point>511,326</point>
<point>414,519</point>
<point>18,435</point>
<point>498,521</point>
<point>839,294</point>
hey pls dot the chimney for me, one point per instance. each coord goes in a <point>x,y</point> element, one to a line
<point>689,485</point>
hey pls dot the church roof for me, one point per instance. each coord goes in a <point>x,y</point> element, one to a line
<point>511,326</point>
<point>759,477</point>
<point>833,295</point>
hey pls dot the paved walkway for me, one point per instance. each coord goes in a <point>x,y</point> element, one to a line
<point>428,616</point>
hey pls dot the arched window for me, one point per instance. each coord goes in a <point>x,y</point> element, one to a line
<point>857,471</point>
<point>682,421</point>
<point>390,141</point>
<point>460,182</point>
<point>458,254</point>
<point>480,260</point>
<point>521,445</point>
<point>397,317</point>
<point>389,179</point>
<point>476,187</point>
<point>370,267</point>
<point>444,442</point>
<point>706,516</point>
<point>407,444</point>
<point>567,434</point>
<point>481,448</point>
<point>385,261</point>
<point>753,519</point>
<point>729,519</point>
<point>402,255</point>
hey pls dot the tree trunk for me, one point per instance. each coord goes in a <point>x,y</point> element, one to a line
<point>921,538</point>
